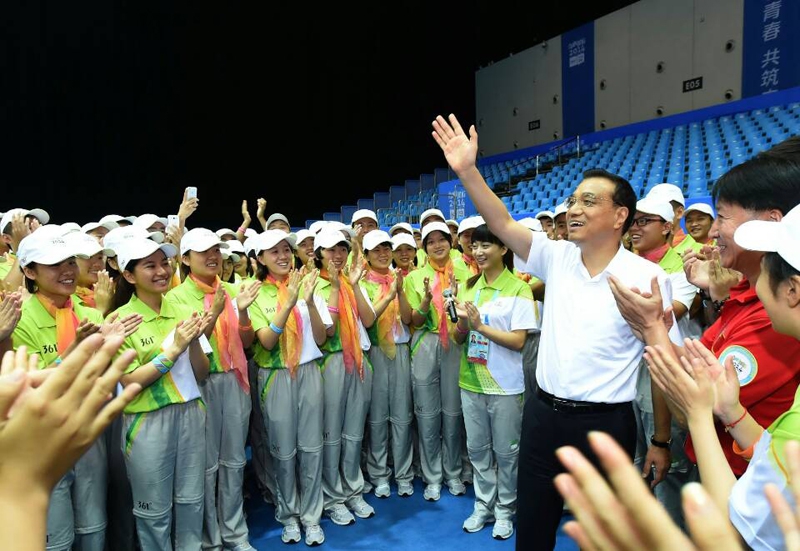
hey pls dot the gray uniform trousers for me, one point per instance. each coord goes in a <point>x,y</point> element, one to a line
<point>76,513</point>
<point>60,517</point>
<point>89,498</point>
<point>227,421</point>
<point>261,458</point>
<point>437,405</point>
<point>292,407</point>
<point>121,528</point>
<point>494,424</point>
<point>359,392</point>
<point>390,404</point>
<point>335,385</point>
<point>165,452</point>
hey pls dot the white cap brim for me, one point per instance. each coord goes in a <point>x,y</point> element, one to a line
<point>770,237</point>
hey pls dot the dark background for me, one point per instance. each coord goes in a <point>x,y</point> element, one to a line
<point>114,106</point>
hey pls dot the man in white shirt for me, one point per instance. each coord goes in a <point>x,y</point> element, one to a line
<point>588,356</point>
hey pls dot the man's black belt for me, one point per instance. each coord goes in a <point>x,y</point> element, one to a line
<point>576,406</point>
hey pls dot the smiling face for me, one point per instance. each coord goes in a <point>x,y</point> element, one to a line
<point>437,246</point>
<point>56,281</point>
<point>650,236</point>
<point>89,268</point>
<point>380,258</point>
<point>205,265</point>
<point>337,255</point>
<point>594,216</point>
<point>279,260</point>
<point>305,250</point>
<point>560,230</point>
<point>227,268</point>
<point>729,218</point>
<point>404,256</point>
<point>151,275</point>
<point>279,225</point>
<point>698,224</point>
<point>465,240</point>
<point>488,255</point>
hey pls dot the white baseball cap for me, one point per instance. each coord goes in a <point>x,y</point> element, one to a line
<point>375,238</point>
<point>342,227</point>
<point>225,231</point>
<point>116,237</point>
<point>91,226</point>
<point>533,224</point>
<point>705,208</point>
<point>363,213</point>
<point>401,226</point>
<point>250,232</point>
<point>70,227</point>
<point>546,213</point>
<point>302,235</point>
<point>249,244</point>
<point>270,238</point>
<point>277,216</point>
<point>428,213</point>
<point>228,254</point>
<point>317,226</point>
<point>670,192</point>
<point>656,205</point>
<point>147,220</point>
<point>435,226</point>
<point>88,245</point>
<point>452,223</point>
<point>470,223</point>
<point>773,237</point>
<point>137,248</point>
<point>200,240</point>
<point>403,239</point>
<point>330,237</point>
<point>40,214</point>
<point>235,246</point>
<point>48,246</point>
<point>112,218</point>
<point>561,208</point>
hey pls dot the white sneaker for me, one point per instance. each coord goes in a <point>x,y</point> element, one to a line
<point>456,487</point>
<point>503,529</point>
<point>360,508</point>
<point>432,492</point>
<point>291,533</point>
<point>383,490</point>
<point>476,521</point>
<point>340,515</point>
<point>314,535</point>
<point>405,489</point>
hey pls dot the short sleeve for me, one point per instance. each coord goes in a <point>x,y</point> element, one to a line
<point>540,256</point>
<point>322,308</point>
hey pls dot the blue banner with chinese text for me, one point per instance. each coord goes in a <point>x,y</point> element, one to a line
<point>771,52</point>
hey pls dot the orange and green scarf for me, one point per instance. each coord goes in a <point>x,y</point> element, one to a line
<point>87,296</point>
<point>66,322</point>
<point>291,340</point>
<point>387,322</point>
<point>441,281</point>
<point>471,263</point>
<point>229,343</point>
<point>348,326</point>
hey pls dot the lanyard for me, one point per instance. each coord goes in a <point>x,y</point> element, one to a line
<point>477,302</point>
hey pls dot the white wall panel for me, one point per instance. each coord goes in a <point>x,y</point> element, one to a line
<point>612,67</point>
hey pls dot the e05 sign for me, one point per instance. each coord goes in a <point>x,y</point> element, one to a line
<point>692,84</point>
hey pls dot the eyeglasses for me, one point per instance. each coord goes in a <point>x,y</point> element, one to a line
<point>642,222</point>
<point>586,201</point>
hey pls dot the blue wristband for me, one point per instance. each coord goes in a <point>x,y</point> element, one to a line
<point>162,363</point>
<point>277,330</point>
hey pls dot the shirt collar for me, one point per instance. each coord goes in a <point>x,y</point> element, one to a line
<point>42,318</point>
<point>743,292</point>
<point>499,283</point>
<point>616,267</point>
<point>147,313</point>
<point>195,291</point>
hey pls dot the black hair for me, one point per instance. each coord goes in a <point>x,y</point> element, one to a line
<point>185,268</point>
<point>232,277</point>
<point>779,271</point>
<point>124,289</point>
<point>482,234</point>
<point>30,285</point>
<point>261,270</point>
<point>251,255</point>
<point>770,180</point>
<point>623,196</point>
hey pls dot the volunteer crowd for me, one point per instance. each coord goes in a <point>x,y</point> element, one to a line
<point>352,360</point>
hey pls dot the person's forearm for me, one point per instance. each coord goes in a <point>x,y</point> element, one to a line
<point>23,516</point>
<point>419,316</point>
<point>745,430</point>
<point>405,309</point>
<point>246,332</point>
<point>317,325</point>
<point>13,280</point>
<point>513,340</point>
<point>381,306</point>
<point>662,418</point>
<point>200,362</point>
<point>715,472</point>
<point>489,205</point>
<point>269,337</point>
<point>364,308</point>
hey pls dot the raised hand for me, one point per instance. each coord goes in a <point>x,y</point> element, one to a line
<point>20,229</point>
<point>333,274</point>
<point>187,208</point>
<point>356,272</point>
<point>620,513</point>
<point>10,314</point>
<point>293,287</point>
<point>103,291</point>
<point>173,235</point>
<point>247,295</point>
<point>459,149</point>
<point>85,328</point>
<point>310,285</point>
<point>689,386</point>
<point>724,377</point>
<point>696,267</point>
<point>187,331</point>
<point>720,279</point>
<point>427,294</point>
<point>262,209</point>
<point>124,327</point>
<point>245,215</point>
<point>640,310</point>
<point>220,296</point>
<point>398,280</point>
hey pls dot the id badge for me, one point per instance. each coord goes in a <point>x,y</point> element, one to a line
<point>478,349</point>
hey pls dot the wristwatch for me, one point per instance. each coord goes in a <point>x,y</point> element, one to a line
<point>658,444</point>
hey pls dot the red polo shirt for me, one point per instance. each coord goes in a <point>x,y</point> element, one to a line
<point>767,362</point>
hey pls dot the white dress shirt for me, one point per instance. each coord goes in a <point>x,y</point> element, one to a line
<point>587,350</point>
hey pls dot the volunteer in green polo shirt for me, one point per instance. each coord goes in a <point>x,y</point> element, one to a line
<point>495,310</point>
<point>391,379</point>
<point>346,378</point>
<point>226,392</point>
<point>289,330</point>
<point>51,323</point>
<point>164,426</point>
<point>435,359</point>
